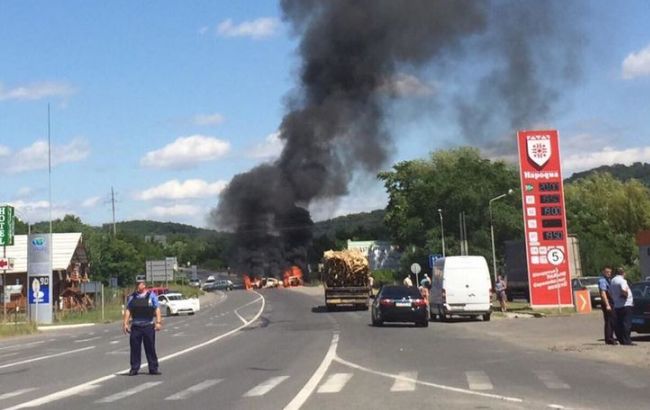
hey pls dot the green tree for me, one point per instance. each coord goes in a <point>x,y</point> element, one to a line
<point>114,257</point>
<point>454,181</point>
<point>606,214</point>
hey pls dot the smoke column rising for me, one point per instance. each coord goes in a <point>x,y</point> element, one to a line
<point>334,127</point>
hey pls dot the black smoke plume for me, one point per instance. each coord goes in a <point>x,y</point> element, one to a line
<point>351,51</point>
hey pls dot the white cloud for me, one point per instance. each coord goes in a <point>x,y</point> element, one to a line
<point>637,64</point>
<point>581,161</point>
<point>203,30</point>
<point>38,211</point>
<point>259,28</point>
<point>269,149</point>
<point>174,189</point>
<point>208,119</point>
<point>36,91</point>
<point>91,202</point>
<point>35,156</point>
<point>406,85</point>
<point>186,152</point>
<point>24,192</point>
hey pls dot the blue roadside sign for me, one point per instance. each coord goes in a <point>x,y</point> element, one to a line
<point>433,259</point>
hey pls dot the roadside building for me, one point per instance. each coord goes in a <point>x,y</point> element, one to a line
<point>69,266</point>
<point>643,242</point>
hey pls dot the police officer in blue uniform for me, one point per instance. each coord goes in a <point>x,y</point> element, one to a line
<point>142,320</point>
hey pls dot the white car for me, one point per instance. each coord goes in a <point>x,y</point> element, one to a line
<point>270,283</point>
<point>175,304</point>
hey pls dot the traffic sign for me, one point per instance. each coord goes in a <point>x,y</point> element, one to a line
<point>415,268</point>
<point>6,263</point>
<point>582,300</point>
<point>433,259</point>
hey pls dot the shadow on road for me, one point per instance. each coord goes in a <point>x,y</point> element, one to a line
<point>323,309</point>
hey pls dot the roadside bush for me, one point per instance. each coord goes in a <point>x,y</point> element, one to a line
<point>384,276</point>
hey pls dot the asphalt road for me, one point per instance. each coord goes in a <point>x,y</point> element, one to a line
<point>279,349</point>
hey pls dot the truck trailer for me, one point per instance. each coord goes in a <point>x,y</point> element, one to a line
<point>345,277</point>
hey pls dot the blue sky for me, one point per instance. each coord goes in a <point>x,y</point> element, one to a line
<point>166,103</point>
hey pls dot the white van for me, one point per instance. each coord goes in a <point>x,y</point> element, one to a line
<point>460,286</point>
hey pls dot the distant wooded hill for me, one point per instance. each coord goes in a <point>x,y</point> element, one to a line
<point>638,170</point>
<point>143,228</point>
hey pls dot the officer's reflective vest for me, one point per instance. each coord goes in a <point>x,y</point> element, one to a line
<point>142,309</point>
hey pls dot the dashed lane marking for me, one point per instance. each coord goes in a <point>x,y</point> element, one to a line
<point>266,386</point>
<point>428,384</point>
<point>127,393</point>
<point>334,383</point>
<point>405,381</point>
<point>93,383</point>
<point>194,389</point>
<point>550,379</point>
<point>16,393</point>
<point>49,356</point>
<point>478,380</point>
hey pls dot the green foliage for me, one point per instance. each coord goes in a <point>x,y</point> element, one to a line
<point>606,214</point>
<point>639,171</point>
<point>384,276</point>
<point>453,181</point>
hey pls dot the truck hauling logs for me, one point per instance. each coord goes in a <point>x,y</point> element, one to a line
<point>346,279</point>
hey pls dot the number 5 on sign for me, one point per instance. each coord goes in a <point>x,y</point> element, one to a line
<point>555,256</point>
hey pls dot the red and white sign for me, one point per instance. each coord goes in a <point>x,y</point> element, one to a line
<point>6,264</point>
<point>542,197</point>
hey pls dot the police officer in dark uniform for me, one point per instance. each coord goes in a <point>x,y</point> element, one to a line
<point>142,320</point>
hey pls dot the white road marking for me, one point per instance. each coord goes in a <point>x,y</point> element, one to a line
<point>178,334</point>
<point>2,356</point>
<point>114,342</point>
<point>194,389</point>
<point>87,340</point>
<point>92,383</point>
<point>239,316</point>
<point>16,393</point>
<point>22,345</point>
<point>315,379</point>
<point>428,384</point>
<point>49,356</point>
<point>478,380</point>
<point>118,352</point>
<point>265,387</point>
<point>334,383</point>
<point>127,393</point>
<point>550,379</point>
<point>405,381</point>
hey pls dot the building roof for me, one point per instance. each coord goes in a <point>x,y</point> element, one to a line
<point>63,249</point>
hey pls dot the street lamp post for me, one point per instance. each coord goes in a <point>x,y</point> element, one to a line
<point>442,232</point>
<point>494,254</point>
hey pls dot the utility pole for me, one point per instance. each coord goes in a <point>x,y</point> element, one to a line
<point>113,204</point>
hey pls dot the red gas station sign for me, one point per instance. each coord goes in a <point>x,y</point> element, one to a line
<point>542,197</point>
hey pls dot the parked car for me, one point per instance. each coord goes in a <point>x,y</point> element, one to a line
<point>195,283</point>
<point>397,303</point>
<point>461,286</point>
<point>175,304</point>
<point>591,284</point>
<point>209,283</point>
<point>224,284</point>
<point>641,310</point>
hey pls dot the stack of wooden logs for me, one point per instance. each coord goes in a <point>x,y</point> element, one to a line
<point>345,268</point>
